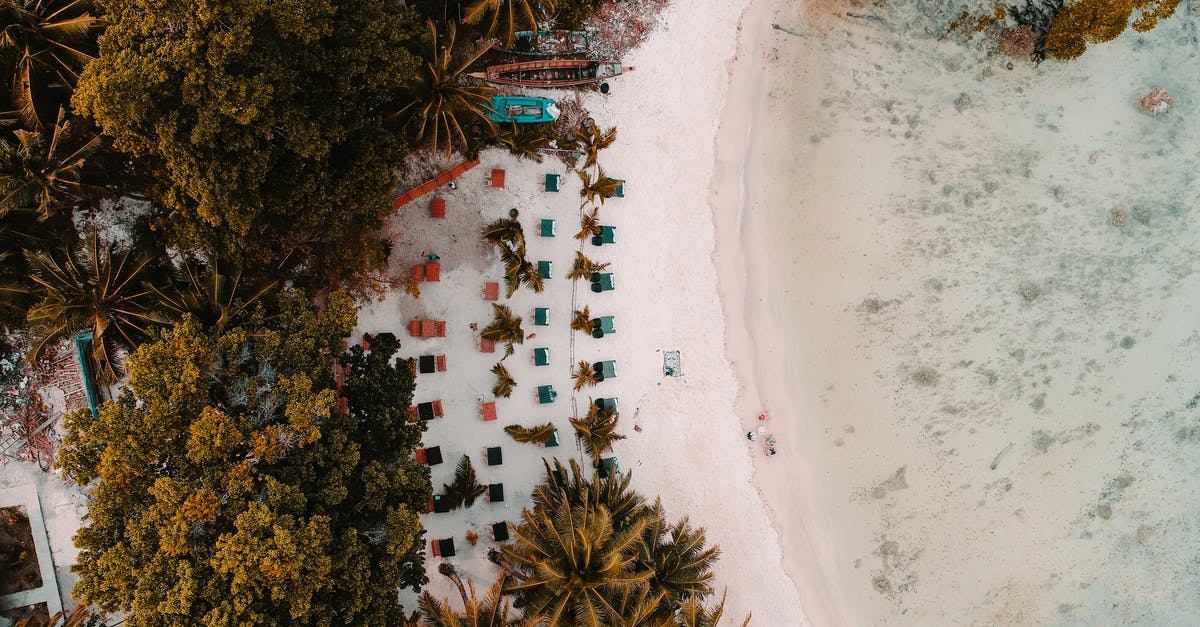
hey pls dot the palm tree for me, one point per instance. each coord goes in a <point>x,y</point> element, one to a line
<point>504,381</point>
<point>599,187</point>
<point>531,435</point>
<point>677,555</point>
<point>440,101</point>
<point>43,176</point>
<point>584,268</point>
<point>506,231</point>
<point>490,611</point>
<point>45,45</point>
<point>578,488</point>
<point>597,431</point>
<point>504,327</point>
<point>589,224</point>
<point>584,375</point>
<point>575,563</point>
<point>581,320</point>
<point>525,141</point>
<point>103,290</point>
<point>465,488</point>
<point>693,613</point>
<point>210,295</point>
<point>593,141</point>
<point>81,616</point>
<point>504,18</point>
<point>531,278</point>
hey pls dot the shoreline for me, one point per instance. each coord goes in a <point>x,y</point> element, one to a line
<point>741,282</point>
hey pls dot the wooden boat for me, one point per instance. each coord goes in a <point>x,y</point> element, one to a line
<point>551,72</point>
<point>549,43</point>
<point>522,109</point>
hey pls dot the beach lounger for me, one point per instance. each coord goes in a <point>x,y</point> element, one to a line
<point>541,316</point>
<point>605,370</point>
<point>496,178</point>
<point>438,208</point>
<point>413,414</point>
<point>547,227</point>
<point>603,325</point>
<point>431,456</point>
<point>608,235</point>
<point>552,181</point>
<point>620,191</point>
<point>495,457</point>
<point>605,404</point>
<point>429,328</point>
<point>486,345</point>
<point>541,356</point>
<point>491,291</point>
<point>546,394</point>
<point>488,411</point>
<point>602,282</point>
<point>546,269</point>
<point>443,547</point>
<point>414,328</point>
<point>433,272</point>
<point>441,505</point>
<point>437,409</point>
<point>609,467</point>
<point>553,441</point>
<point>439,328</point>
<point>500,531</point>
<point>418,273</point>
<point>496,493</point>
<point>426,364</point>
<point>441,363</point>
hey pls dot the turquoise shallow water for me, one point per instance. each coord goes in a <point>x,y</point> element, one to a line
<point>983,285</point>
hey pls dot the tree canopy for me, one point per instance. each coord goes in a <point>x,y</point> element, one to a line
<point>230,485</point>
<point>265,118</point>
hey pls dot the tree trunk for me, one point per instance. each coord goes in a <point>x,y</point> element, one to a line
<point>447,569</point>
<point>497,558</point>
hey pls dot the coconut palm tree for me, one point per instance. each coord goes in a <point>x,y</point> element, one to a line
<point>589,224</point>
<point>503,18</point>
<point>504,327</point>
<point>525,141</point>
<point>81,616</point>
<point>593,140</point>
<point>441,104</point>
<point>584,375</point>
<point>506,231</point>
<point>613,493</point>
<point>490,611</point>
<point>531,435</point>
<point>581,320</point>
<point>213,296</point>
<point>504,381</point>
<point>99,289</point>
<point>598,187</point>
<point>43,172</point>
<point>584,268</point>
<point>677,555</point>
<point>693,613</point>
<point>597,431</point>
<point>465,488</point>
<point>575,563</point>
<point>45,45</point>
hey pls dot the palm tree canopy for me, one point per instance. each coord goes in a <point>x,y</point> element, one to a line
<point>503,18</point>
<point>584,375</point>
<point>677,554</point>
<point>504,381</point>
<point>43,174</point>
<point>589,224</point>
<point>504,327</point>
<point>594,140</point>
<point>581,319</point>
<point>539,434</point>
<point>597,431</point>
<point>441,103</point>
<point>466,487</point>
<point>213,296</point>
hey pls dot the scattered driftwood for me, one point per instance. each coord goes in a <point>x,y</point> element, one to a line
<point>864,16</point>
<point>1038,15</point>
<point>1000,455</point>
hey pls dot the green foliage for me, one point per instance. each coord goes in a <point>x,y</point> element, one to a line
<point>573,13</point>
<point>504,327</point>
<point>491,611</point>
<point>504,382</point>
<point>1097,21</point>
<point>525,141</point>
<point>465,488</point>
<point>540,434</point>
<point>581,320</point>
<point>589,224</point>
<point>584,375</point>
<point>598,429</point>
<point>214,296</point>
<point>44,47</point>
<point>266,119</point>
<point>232,486</point>
<point>42,173</point>
<point>503,18</point>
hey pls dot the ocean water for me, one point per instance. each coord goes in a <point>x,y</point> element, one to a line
<point>982,284</point>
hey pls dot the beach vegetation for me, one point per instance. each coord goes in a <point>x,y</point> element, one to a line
<point>504,327</point>
<point>230,484</point>
<point>81,616</point>
<point>540,434</point>
<point>441,105</point>
<point>597,431</point>
<point>214,296</point>
<point>597,187</point>
<point>493,610</point>
<point>503,18</point>
<point>506,231</point>
<point>465,488</point>
<point>96,288</point>
<point>525,141</point>
<point>592,140</point>
<point>45,46</point>
<point>41,171</point>
<point>581,320</point>
<point>1063,30</point>
<point>584,268</point>
<point>589,224</point>
<point>584,375</point>
<point>504,382</point>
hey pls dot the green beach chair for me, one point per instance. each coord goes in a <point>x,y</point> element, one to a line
<point>606,404</point>
<point>546,394</point>
<point>609,467</point>
<point>608,235</point>
<point>552,181</point>
<point>546,269</point>
<point>495,457</point>
<point>602,282</point>
<point>605,369</point>
<point>553,441</point>
<point>541,316</point>
<point>548,227</point>
<point>603,325</point>
<point>620,191</point>
<point>541,356</point>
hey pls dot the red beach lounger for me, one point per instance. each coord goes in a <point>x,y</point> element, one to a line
<point>437,409</point>
<point>497,178</point>
<point>428,328</point>
<point>414,328</point>
<point>488,410</point>
<point>441,363</point>
<point>433,272</point>
<point>491,291</point>
<point>486,345</point>
<point>419,272</point>
<point>438,209</point>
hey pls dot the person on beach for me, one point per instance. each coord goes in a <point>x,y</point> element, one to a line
<point>433,256</point>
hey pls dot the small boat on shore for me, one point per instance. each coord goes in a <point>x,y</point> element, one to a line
<point>549,43</point>
<point>552,72</point>
<point>523,110</point>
